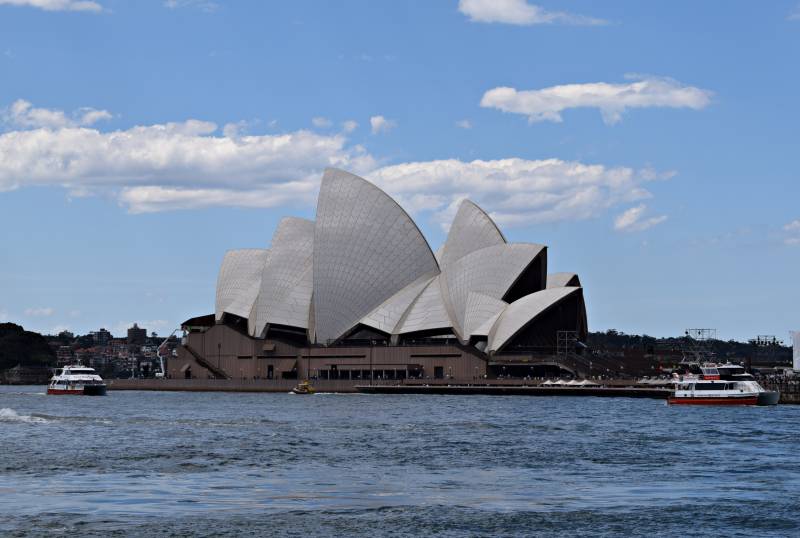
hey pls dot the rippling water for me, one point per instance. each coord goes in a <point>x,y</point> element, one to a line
<point>172,464</point>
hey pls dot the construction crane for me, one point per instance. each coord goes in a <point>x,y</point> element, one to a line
<point>163,373</point>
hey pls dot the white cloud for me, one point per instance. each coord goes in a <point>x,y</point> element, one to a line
<point>176,165</point>
<point>380,124</point>
<point>633,220</point>
<point>611,99</point>
<point>40,311</point>
<point>191,165</point>
<point>519,12</point>
<point>464,124</point>
<point>204,5</point>
<point>792,233</point>
<point>4,315</point>
<point>349,126</point>
<point>321,122</point>
<point>56,5</point>
<point>515,191</point>
<point>795,14</point>
<point>21,113</point>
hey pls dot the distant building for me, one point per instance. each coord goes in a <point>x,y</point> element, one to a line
<point>137,335</point>
<point>101,337</point>
<point>64,355</point>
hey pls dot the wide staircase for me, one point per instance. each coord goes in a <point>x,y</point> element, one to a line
<point>216,371</point>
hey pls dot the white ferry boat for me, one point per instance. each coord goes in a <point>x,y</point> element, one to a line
<point>78,380</point>
<point>725,384</point>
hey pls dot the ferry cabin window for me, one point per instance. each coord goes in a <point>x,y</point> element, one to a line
<point>710,386</point>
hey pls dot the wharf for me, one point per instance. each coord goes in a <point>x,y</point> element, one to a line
<point>518,390</point>
<point>612,388</point>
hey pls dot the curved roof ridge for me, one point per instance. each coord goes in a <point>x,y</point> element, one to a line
<point>523,312</point>
<point>387,195</point>
<point>366,249</point>
<point>472,229</point>
<point>490,270</point>
<point>238,281</point>
<point>488,217</point>
<point>388,315</point>
<point>563,279</point>
<point>284,295</point>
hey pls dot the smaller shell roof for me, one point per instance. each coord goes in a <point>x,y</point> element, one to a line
<point>286,280</point>
<point>481,312</point>
<point>472,230</point>
<point>560,280</point>
<point>387,316</point>
<point>238,282</point>
<point>427,312</point>
<point>490,271</point>
<point>522,312</point>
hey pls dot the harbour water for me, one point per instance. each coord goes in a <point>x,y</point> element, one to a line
<point>230,464</point>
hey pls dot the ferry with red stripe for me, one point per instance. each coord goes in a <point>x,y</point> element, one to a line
<point>726,384</point>
<point>76,380</point>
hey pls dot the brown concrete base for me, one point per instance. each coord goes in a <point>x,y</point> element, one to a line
<point>225,385</point>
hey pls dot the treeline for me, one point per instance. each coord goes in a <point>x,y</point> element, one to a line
<point>26,348</point>
<point>615,340</point>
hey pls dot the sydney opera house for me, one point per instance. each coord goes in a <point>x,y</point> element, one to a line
<point>359,294</point>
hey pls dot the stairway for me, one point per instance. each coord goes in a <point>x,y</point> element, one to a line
<point>217,372</point>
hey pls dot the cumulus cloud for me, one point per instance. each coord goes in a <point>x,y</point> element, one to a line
<point>464,124</point>
<point>380,124</point>
<point>611,99</point>
<point>635,220</point>
<point>792,233</point>
<point>191,164</point>
<point>43,312</point>
<point>321,122</point>
<point>176,165</point>
<point>519,12</point>
<point>22,113</point>
<point>203,5</point>
<point>56,5</point>
<point>515,191</point>
<point>349,126</point>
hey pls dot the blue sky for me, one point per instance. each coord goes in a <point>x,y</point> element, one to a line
<point>652,146</point>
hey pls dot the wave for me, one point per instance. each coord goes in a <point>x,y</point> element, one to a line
<point>9,415</point>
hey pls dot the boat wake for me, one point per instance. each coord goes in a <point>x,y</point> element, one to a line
<point>9,415</point>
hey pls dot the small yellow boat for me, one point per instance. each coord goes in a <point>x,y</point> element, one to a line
<point>304,387</point>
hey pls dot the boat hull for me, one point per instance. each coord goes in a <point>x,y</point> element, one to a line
<point>88,390</point>
<point>700,400</point>
<point>769,397</point>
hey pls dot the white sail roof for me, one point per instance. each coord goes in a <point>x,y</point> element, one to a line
<point>522,312</point>
<point>472,230</point>
<point>238,282</point>
<point>560,280</point>
<point>387,315</point>
<point>490,271</point>
<point>427,312</point>
<point>366,249</point>
<point>481,313</point>
<point>286,280</point>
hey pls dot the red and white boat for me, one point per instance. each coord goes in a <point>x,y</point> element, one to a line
<point>726,384</point>
<point>77,380</point>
